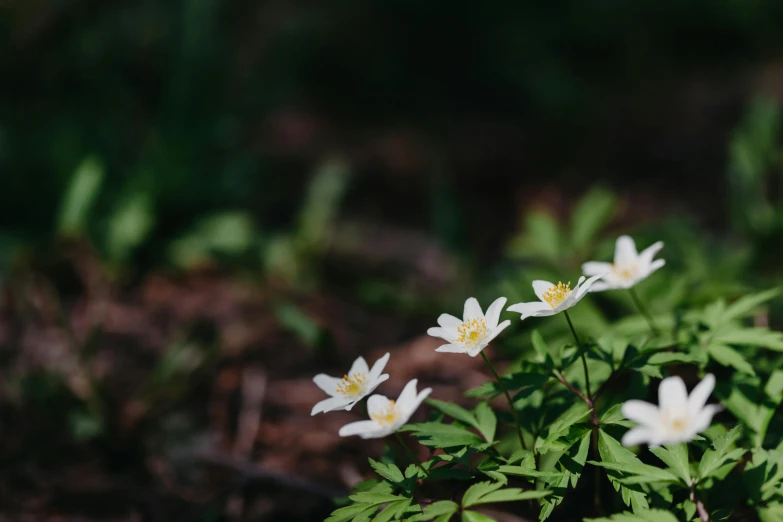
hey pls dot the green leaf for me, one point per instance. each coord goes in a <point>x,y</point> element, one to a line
<point>663,358</point>
<point>744,306</point>
<point>452,410</point>
<point>651,515</point>
<point>560,427</point>
<point>549,358</point>
<point>645,472</point>
<point>511,495</point>
<point>727,356</point>
<point>442,435</point>
<point>393,510</point>
<point>592,213</point>
<point>676,457</point>
<point>80,196</point>
<point>612,452</point>
<point>715,458</point>
<point>763,337</point>
<point>475,516</point>
<point>441,511</point>
<point>368,497</point>
<point>349,512</point>
<point>478,490</point>
<point>487,422</point>
<point>388,471</point>
<point>129,225</point>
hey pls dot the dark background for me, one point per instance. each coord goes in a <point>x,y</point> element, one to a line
<point>204,203</point>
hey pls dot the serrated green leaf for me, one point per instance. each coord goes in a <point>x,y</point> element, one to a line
<point>367,497</point>
<point>443,435</point>
<point>349,512</point>
<point>715,458</point>
<point>487,422</point>
<point>511,495</point>
<point>528,472</point>
<point>676,457</point>
<point>478,490</point>
<point>388,471</point>
<point>441,510</point>
<point>612,452</point>
<point>645,472</point>
<point>393,510</point>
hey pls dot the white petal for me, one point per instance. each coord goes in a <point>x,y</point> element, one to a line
<point>592,268</point>
<point>494,333</point>
<point>699,395</point>
<point>326,383</point>
<point>655,265</point>
<point>407,395</point>
<point>442,333</point>
<point>624,251</point>
<point>493,312</point>
<point>330,404</point>
<point>472,310</point>
<point>379,431</point>
<point>448,322</point>
<point>646,256</point>
<point>452,348</point>
<point>359,366</point>
<point>407,411</point>
<point>702,421</point>
<point>377,368</point>
<point>528,309</point>
<point>377,403</point>
<point>637,436</point>
<point>540,286</point>
<point>358,428</point>
<point>477,349</point>
<point>601,286</point>
<point>641,412</point>
<point>672,395</point>
<point>582,288</point>
<point>377,382</point>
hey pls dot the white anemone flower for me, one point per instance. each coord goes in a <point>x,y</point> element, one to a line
<point>357,384</point>
<point>628,269</point>
<point>677,418</point>
<point>474,331</point>
<point>387,416</point>
<point>554,298</point>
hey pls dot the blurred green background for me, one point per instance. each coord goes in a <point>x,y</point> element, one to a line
<point>349,170</point>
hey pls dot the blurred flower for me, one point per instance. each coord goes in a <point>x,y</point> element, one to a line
<point>353,387</point>
<point>474,332</point>
<point>677,418</point>
<point>555,298</point>
<point>628,268</point>
<point>387,416</point>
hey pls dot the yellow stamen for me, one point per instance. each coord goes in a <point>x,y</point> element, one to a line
<point>557,294</point>
<point>472,332</point>
<point>353,385</point>
<point>386,416</point>
<point>678,425</point>
<point>624,272</point>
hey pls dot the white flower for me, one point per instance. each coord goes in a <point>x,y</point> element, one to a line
<point>628,268</point>
<point>387,416</point>
<point>555,298</point>
<point>474,332</point>
<point>677,418</point>
<point>353,387</point>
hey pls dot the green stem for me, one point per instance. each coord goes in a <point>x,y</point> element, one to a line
<point>410,453</point>
<point>642,310</point>
<point>582,354</point>
<point>508,398</point>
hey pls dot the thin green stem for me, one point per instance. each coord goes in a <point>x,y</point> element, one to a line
<point>642,310</point>
<point>508,398</point>
<point>410,453</point>
<point>582,354</point>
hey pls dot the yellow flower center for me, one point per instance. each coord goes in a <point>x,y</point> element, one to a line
<point>352,385</point>
<point>557,294</point>
<point>676,421</point>
<point>624,272</point>
<point>472,332</point>
<point>386,416</point>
